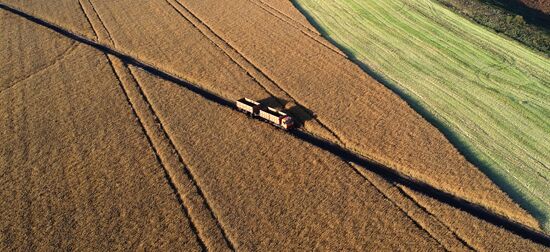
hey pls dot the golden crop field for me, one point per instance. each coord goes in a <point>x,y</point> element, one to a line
<point>76,173</point>
<point>119,133</point>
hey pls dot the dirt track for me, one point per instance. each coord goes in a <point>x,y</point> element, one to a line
<point>226,202</point>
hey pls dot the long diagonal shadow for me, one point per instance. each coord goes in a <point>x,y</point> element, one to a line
<point>335,149</point>
<point>454,138</point>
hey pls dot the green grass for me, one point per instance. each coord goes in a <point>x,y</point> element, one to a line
<point>489,94</point>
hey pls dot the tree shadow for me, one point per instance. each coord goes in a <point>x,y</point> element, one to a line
<point>503,182</point>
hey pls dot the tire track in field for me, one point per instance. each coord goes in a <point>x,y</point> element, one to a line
<point>103,34</point>
<point>261,78</point>
<point>312,31</point>
<point>167,176</point>
<point>87,18</point>
<point>458,237</point>
<point>396,205</point>
<point>147,117</point>
<point>306,31</point>
<point>399,204</point>
<point>192,178</point>
<point>347,155</point>
<point>238,59</point>
<point>55,61</point>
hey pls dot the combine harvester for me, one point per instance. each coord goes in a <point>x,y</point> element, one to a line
<point>273,116</point>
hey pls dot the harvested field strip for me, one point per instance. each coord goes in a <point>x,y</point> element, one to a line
<point>306,31</point>
<point>209,224</point>
<point>259,77</point>
<point>388,173</point>
<point>489,94</point>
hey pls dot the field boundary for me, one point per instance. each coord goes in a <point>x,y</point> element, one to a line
<point>307,32</point>
<point>337,150</point>
<point>298,23</point>
<point>459,143</point>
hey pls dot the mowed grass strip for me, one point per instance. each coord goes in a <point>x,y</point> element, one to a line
<point>489,92</point>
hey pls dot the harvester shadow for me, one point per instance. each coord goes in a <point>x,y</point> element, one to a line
<point>273,102</point>
<point>300,113</point>
<point>454,138</point>
<point>335,149</point>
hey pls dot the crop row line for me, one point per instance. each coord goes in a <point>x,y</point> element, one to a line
<point>389,174</point>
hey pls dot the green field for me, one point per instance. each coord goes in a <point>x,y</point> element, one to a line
<point>489,94</point>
